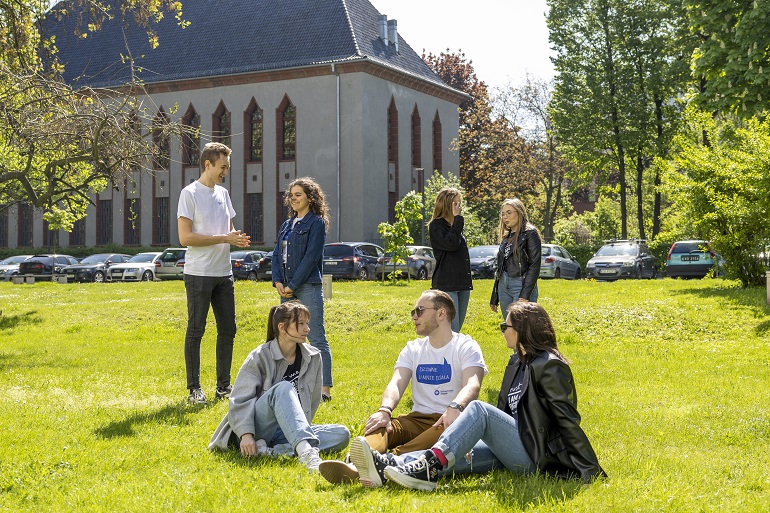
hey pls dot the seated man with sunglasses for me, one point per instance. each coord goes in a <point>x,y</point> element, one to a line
<point>447,368</point>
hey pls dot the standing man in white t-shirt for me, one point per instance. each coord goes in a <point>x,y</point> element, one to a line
<point>205,220</point>
<point>445,369</point>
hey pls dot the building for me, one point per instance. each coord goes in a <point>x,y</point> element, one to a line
<point>321,88</point>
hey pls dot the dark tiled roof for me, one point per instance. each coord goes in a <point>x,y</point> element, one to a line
<point>227,37</point>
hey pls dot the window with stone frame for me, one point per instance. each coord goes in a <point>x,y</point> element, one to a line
<point>191,152</point>
<point>222,125</point>
<point>161,140</point>
<point>437,146</point>
<point>255,131</point>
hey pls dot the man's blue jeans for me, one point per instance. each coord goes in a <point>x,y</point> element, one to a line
<point>491,433</point>
<point>312,296</point>
<point>219,293</point>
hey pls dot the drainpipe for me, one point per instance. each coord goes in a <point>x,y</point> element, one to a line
<point>339,192</point>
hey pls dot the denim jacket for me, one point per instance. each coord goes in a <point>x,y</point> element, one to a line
<point>305,252</point>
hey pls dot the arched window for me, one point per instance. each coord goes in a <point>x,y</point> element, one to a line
<point>392,160</point>
<point>416,139</point>
<point>287,124</point>
<point>160,138</point>
<point>221,125</point>
<point>437,146</point>
<point>255,130</point>
<point>191,137</point>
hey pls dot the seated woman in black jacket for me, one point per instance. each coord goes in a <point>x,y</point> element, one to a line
<point>536,425</point>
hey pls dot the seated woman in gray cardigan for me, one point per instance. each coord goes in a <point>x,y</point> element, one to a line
<point>277,393</point>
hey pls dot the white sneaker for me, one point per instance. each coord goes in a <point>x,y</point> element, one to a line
<point>311,459</point>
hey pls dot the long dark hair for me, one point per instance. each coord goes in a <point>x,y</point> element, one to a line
<point>536,333</point>
<point>315,196</point>
<point>286,313</point>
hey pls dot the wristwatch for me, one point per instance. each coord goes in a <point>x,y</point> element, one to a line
<point>456,406</point>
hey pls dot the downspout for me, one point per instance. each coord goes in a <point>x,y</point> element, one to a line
<point>339,192</point>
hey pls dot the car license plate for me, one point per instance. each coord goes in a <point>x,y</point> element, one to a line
<point>690,258</point>
<point>269,273</point>
<point>330,263</point>
<point>117,271</point>
<point>606,271</point>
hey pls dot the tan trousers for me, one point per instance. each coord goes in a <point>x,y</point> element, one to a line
<point>411,432</point>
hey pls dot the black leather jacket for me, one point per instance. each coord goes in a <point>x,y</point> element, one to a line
<point>549,423</point>
<point>527,262</point>
<point>453,263</point>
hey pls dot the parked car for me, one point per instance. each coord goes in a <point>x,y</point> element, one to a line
<point>622,259</point>
<point>46,265</point>
<point>170,264</point>
<point>692,259</point>
<point>352,260</point>
<point>140,267</point>
<point>556,262</point>
<point>10,266</point>
<point>246,264</point>
<point>420,263</point>
<point>93,268</point>
<point>483,261</point>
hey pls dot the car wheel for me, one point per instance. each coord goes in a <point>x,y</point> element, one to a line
<point>252,276</point>
<point>422,274</point>
<point>638,273</point>
<point>99,277</point>
<point>147,275</point>
<point>363,274</point>
<point>654,273</point>
<point>577,274</point>
<point>557,273</point>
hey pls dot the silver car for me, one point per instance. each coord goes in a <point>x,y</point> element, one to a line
<point>420,263</point>
<point>10,266</point>
<point>556,262</point>
<point>140,267</point>
<point>170,264</point>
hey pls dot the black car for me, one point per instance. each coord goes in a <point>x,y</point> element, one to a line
<point>249,265</point>
<point>352,260</point>
<point>622,259</point>
<point>45,266</point>
<point>93,268</point>
<point>483,261</point>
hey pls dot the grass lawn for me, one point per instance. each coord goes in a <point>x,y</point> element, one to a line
<point>672,379</point>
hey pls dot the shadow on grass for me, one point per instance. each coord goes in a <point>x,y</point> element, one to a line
<point>752,296</point>
<point>174,414</point>
<point>8,322</point>
<point>513,491</point>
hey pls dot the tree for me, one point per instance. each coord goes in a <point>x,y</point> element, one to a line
<point>60,145</point>
<point>724,188</point>
<point>396,236</point>
<point>733,57</point>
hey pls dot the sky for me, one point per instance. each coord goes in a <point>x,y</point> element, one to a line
<point>504,39</point>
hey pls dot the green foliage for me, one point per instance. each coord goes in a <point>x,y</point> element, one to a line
<point>592,227</point>
<point>396,236</point>
<point>92,399</point>
<point>724,188</point>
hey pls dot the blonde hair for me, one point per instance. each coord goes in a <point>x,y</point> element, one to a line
<point>524,223</point>
<point>444,199</point>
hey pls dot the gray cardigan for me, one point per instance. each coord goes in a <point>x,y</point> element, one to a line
<point>263,368</point>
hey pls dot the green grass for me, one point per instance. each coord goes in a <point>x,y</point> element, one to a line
<point>672,380</point>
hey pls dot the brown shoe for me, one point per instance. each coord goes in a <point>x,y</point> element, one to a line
<point>338,472</point>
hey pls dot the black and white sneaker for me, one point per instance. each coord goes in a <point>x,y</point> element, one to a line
<point>224,392</point>
<point>421,474</point>
<point>196,396</point>
<point>370,464</point>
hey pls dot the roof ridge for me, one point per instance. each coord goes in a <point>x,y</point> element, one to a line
<point>352,31</point>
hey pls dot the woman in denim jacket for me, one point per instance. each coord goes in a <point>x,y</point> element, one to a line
<point>298,262</point>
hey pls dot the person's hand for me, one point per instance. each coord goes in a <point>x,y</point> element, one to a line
<point>449,416</point>
<point>239,239</point>
<point>378,420</point>
<point>457,208</point>
<point>523,300</point>
<point>279,287</point>
<point>248,445</point>
<point>287,293</point>
<point>493,308</point>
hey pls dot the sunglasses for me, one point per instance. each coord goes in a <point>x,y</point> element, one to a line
<point>419,310</point>
<point>504,327</point>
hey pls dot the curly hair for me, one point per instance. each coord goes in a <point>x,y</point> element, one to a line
<point>314,194</point>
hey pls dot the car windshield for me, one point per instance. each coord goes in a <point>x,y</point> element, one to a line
<point>618,250</point>
<point>238,255</point>
<point>95,259</point>
<point>337,251</point>
<point>690,247</point>
<point>482,251</point>
<point>545,251</point>
<point>141,258</point>
<point>14,260</point>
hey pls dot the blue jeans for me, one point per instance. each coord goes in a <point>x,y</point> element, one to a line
<point>509,290</point>
<point>461,299</point>
<point>202,292</point>
<point>491,433</point>
<point>278,418</point>
<point>312,296</point>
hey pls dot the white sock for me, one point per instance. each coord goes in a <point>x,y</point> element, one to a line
<point>302,446</point>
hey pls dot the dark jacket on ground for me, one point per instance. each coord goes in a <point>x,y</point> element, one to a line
<point>526,263</point>
<point>453,263</point>
<point>549,423</point>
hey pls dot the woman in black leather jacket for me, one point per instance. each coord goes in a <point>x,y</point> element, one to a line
<point>518,259</point>
<point>536,425</point>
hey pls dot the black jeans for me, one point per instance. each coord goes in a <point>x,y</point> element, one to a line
<point>219,293</point>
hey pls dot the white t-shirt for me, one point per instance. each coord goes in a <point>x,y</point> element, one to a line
<point>210,211</point>
<point>437,373</point>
